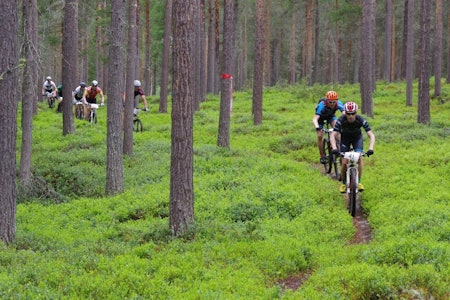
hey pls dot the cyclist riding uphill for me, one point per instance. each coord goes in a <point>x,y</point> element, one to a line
<point>349,127</point>
<point>90,94</point>
<point>49,87</point>
<point>325,111</point>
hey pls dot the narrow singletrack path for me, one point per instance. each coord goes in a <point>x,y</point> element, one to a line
<point>362,235</point>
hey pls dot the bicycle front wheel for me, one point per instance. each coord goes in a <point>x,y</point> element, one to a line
<point>80,113</point>
<point>51,102</point>
<point>93,118</point>
<point>336,167</point>
<point>352,192</point>
<point>137,125</point>
<point>329,154</point>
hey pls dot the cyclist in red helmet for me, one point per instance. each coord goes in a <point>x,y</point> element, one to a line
<point>326,111</point>
<point>349,127</point>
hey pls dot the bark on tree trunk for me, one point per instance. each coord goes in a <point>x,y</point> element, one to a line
<point>181,167</point>
<point>9,64</point>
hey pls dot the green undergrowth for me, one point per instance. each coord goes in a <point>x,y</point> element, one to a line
<point>264,210</point>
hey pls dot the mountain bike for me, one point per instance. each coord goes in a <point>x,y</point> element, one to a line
<point>79,110</point>
<point>93,113</point>
<point>137,123</point>
<point>352,178</point>
<point>50,99</point>
<point>331,162</point>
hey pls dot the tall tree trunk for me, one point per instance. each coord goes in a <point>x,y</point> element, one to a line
<point>423,115</point>
<point>292,49</point>
<point>9,64</point>
<point>387,42</point>
<point>114,165</point>
<point>147,64</point>
<point>228,71</point>
<point>258,64</point>
<point>165,58</point>
<point>196,53</point>
<point>181,215</point>
<point>30,27</point>
<point>309,42</point>
<point>409,55</point>
<point>438,50</point>
<point>211,49</point>
<point>316,43</point>
<point>129,82</point>
<point>266,52</point>
<point>367,65</point>
<point>69,62</point>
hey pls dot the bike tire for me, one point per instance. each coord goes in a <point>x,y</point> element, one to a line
<point>80,113</point>
<point>51,102</point>
<point>336,167</point>
<point>327,149</point>
<point>137,125</point>
<point>352,192</point>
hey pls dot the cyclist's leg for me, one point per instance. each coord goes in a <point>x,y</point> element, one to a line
<point>359,146</point>
<point>320,138</point>
<point>344,147</point>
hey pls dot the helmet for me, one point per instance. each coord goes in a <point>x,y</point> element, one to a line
<point>83,84</point>
<point>351,107</point>
<point>48,78</point>
<point>331,95</point>
<point>94,82</point>
<point>137,83</point>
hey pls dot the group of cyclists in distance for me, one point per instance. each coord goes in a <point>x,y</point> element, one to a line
<point>88,94</point>
<point>346,133</point>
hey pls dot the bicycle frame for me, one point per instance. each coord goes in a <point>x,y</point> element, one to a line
<point>352,178</point>
<point>331,158</point>
<point>93,113</point>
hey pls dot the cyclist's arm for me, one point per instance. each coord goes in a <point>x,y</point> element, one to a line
<point>333,139</point>
<point>315,121</point>
<point>103,97</point>
<point>372,139</point>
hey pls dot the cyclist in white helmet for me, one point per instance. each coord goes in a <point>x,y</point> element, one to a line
<point>49,87</point>
<point>139,94</point>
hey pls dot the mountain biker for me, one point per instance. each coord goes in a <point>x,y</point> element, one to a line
<point>59,97</point>
<point>78,94</point>
<point>139,94</point>
<point>90,94</point>
<point>49,88</point>
<point>349,127</point>
<point>325,111</point>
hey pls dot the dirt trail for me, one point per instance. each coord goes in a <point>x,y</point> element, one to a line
<point>362,235</point>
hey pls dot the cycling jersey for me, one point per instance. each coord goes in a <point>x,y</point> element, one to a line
<point>92,93</point>
<point>49,86</point>
<point>327,113</point>
<point>351,132</point>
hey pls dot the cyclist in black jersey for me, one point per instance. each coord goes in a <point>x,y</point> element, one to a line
<point>349,127</point>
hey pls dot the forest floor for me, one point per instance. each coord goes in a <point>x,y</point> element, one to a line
<point>362,235</point>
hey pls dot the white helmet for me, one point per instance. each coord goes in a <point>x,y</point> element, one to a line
<point>94,82</point>
<point>48,78</point>
<point>137,83</point>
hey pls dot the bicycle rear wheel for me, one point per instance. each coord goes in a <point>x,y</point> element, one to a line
<point>329,154</point>
<point>352,192</point>
<point>137,125</point>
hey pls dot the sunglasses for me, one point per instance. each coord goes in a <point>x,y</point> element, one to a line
<point>331,101</point>
<point>350,114</point>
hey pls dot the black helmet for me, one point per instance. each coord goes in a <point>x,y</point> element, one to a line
<point>83,84</point>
